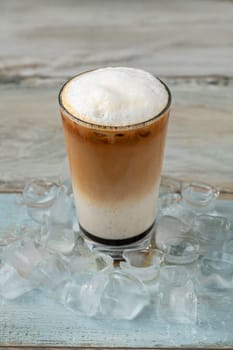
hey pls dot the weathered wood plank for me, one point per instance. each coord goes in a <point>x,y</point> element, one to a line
<point>200,135</point>
<point>102,348</point>
<point>172,38</point>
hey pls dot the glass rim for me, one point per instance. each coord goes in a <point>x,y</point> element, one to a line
<point>111,127</point>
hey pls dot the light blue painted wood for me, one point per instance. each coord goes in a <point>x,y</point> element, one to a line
<point>37,320</point>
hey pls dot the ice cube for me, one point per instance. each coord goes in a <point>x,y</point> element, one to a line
<point>62,210</point>
<point>81,247</point>
<point>183,250</point>
<point>173,275</point>
<point>215,273</point>
<point>83,293</point>
<point>212,232</point>
<point>10,219</point>
<point>58,237</point>
<point>89,274</point>
<point>68,185</point>
<point>39,192</point>
<point>198,194</point>
<point>170,228</point>
<point>37,214</point>
<point>180,212</point>
<point>23,256</point>
<point>39,195</point>
<point>168,199</point>
<point>77,263</point>
<point>26,229</point>
<point>69,295</point>
<point>124,296</point>
<point>142,263</point>
<point>178,304</point>
<point>178,301</point>
<point>12,285</point>
<point>49,273</point>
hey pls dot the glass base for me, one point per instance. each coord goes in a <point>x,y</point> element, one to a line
<point>115,248</point>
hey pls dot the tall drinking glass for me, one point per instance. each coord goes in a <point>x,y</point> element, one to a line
<point>115,172</point>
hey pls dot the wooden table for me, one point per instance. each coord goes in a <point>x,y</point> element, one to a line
<point>187,43</point>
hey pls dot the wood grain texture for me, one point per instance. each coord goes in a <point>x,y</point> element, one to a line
<point>103,348</point>
<point>199,142</point>
<point>169,38</point>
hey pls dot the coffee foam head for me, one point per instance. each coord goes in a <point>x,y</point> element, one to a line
<point>114,96</point>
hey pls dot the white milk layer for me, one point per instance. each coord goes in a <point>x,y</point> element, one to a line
<point>127,219</point>
<point>117,96</point>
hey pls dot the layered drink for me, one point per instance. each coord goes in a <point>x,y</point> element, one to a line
<point>115,122</point>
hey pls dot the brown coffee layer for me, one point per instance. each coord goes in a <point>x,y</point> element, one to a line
<point>111,166</point>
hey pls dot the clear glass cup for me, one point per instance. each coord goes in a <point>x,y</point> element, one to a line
<point>115,173</point>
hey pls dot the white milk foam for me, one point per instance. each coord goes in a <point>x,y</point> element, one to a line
<point>115,96</point>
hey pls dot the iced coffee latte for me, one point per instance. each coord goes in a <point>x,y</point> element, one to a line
<point>115,122</point>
